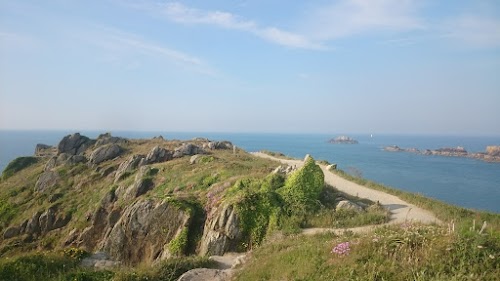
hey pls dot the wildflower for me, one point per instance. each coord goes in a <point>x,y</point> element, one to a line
<point>492,257</point>
<point>480,247</point>
<point>342,249</point>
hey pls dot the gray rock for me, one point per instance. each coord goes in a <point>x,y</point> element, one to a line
<point>348,205</point>
<point>141,185</point>
<point>284,169</point>
<point>128,166</point>
<point>106,138</point>
<point>11,232</point>
<point>144,230</point>
<point>206,274</point>
<point>46,181</point>
<point>194,159</point>
<point>33,226</point>
<point>104,153</point>
<point>158,155</point>
<point>44,150</point>
<point>99,260</point>
<point>219,145</point>
<point>222,231</point>
<point>74,144</point>
<point>187,149</point>
<point>343,140</point>
<point>331,167</point>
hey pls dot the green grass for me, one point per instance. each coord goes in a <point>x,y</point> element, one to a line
<point>59,267</point>
<point>408,252</point>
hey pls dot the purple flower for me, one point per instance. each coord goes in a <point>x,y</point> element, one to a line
<point>342,249</point>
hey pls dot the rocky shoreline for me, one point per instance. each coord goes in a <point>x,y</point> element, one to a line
<point>492,153</point>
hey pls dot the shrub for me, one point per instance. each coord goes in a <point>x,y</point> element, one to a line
<point>302,188</point>
<point>17,165</point>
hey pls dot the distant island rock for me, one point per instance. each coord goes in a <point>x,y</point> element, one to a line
<point>343,140</point>
<point>492,153</point>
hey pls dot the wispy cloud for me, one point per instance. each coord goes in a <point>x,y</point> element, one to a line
<point>180,13</point>
<point>122,44</point>
<point>474,31</point>
<point>352,17</point>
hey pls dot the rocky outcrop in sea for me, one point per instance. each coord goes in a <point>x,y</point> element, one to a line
<point>343,140</point>
<point>492,153</point>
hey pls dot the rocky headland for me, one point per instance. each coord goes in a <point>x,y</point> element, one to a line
<point>492,153</point>
<point>343,140</point>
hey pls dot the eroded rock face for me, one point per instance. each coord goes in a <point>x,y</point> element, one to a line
<point>74,144</point>
<point>46,181</point>
<point>106,152</point>
<point>143,232</point>
<point>44,150</point>
<point>141,185</point>
<point>222,232</point>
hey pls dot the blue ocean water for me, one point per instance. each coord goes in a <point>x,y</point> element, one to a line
<point>461,181</point>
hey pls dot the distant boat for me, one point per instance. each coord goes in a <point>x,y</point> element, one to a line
<point>371,135</point>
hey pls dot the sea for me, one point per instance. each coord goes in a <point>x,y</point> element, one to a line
<point>464,182</point>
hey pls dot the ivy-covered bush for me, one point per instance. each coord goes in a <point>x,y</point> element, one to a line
<point>303,188</point>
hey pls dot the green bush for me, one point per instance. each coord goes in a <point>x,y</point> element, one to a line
<point>177,246</point>
<point>7,212</point>
<point>17,165</point>
<point>303,187</point>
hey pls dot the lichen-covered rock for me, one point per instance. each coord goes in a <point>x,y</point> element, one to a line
<point>74,144</point>
<point>222,231</point>
<point>187,149</point>
<point>46,180</point>
<point>106,152</point>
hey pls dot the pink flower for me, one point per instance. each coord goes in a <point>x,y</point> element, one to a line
<point>342,249</point>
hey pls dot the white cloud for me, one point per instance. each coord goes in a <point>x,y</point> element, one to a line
<point>474,31</point>
<point>122,44</point>
<point>180,13</point>
<point>351,17</point>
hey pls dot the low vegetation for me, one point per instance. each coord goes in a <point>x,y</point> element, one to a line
<point>398,252</point>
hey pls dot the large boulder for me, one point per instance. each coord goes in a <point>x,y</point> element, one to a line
<point>222,231</point>
<point>187,149</point>
<point>144,231</point>
<point>158,155</point>
<point>106,152</point>
<point>46,180</point>
<point>74,144</point>
<point>141,185</point>
<point>219,145</point>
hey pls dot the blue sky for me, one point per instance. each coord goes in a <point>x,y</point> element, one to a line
<point>346,66</point>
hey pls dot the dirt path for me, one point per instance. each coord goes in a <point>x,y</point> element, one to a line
<point>401,211</point>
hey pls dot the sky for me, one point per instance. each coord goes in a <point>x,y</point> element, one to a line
<point>344,66</point>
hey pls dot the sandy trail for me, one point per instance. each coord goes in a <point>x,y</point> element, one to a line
<point>401,211</point>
